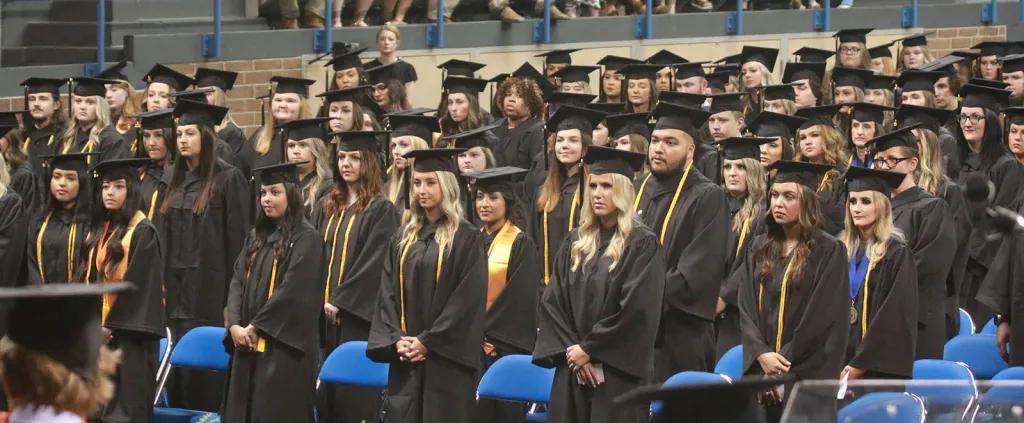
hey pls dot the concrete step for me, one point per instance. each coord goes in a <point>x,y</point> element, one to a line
<point>77,10</point>
<point>55,55</point>
<point>83,34</point>
<point>132,10</point>
<point>73,34</point>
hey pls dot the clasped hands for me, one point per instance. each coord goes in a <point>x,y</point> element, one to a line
<point>244,338</point>
<point>410,349</point>
<point>579,363</point>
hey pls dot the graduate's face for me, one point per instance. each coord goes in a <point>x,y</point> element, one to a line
<point>752,75</point>
<point>602,195</point>
<point>775,106</point>
<point>600,135</point>
<point>576,87</point>
<point>863,209</point>
<point>350,165</point>
<point>116,96</point>
<point>692,85</point>
<point>490,207</point>
<point>113,194</point>
<point>84,108</point>
<point>552,68</point>
<point>861,132</point>
<point>458,106</point>
<point>155,144</point>
<point>41,106</point>
<point>514,106</point>
<point>301,151</point>
<point>472,160</point>
<point>623,143</point>
<point>1016,81</point>
<point>274,200</point>
<point>945,98</point>
<point>285,107</point>
<point>158,96</point>
<point>64,186</point>
<point>1015,140</point>
<point>849,54</point>
<point>367,121</point>
<point>878,65</point>
<point>387,41</point>
<point>664,79</point>
<point>569,146</point>
<point>913,56</point>
<point>845,94</point>
<point>897,160</point>
<point>804,96</point>
<point>724,125</point>
<point>400,146</point>
<point>343,118</point>
<point>190,142</point>
<point>347,78</point>
<point>734,173</point>
<point>812,143</point>
<point>669,151</point>
<point>427,189</point>
<point>786,202</point>
<point>771,152</point>
<point>989,66</point>
<point>638,91</point>
<point>612,83</point>
<point>914,98</point>
<point>972,123</point>
<point>875,97</point>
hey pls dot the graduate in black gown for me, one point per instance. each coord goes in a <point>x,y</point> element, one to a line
<point>928,226</point>
<point>273,308</point>
<point>44,128</point>
<point>744,180</point>
<point>222,81</point>
<point>520,133</point>
<point>14,220</point>
<point>306,144</point>
<point>203,222</point>
<point>124,246</point>
<point>429,319</point>
<point>819,141</point>
<point>21,180</point>
<point>57,233</point>
<point>477,157</point>
<point>794,288</point>
<point>555,209</point>
<point>289,100</point>
<point>599,315</point>
<point>1003,292</point>
<point>156,142</point>
<point>867,121</point>
<point>91,130</point>
<point>883,281</point>
<point>781,129</point>
<point>514,282</point>
<point>690,215</point>
<point>356,220</point>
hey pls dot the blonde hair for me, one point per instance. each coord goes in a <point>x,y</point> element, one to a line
<point>890,98</point>
<point>5,176</point>
<point>835,146</point>
<point>322,170</point>
<point>880,232</point>
<point>753,204</point>
<point>220,98</point>
<point>397,176</point>
<point>266,133</point>
<point>102,122</point>
<point>888,66</point>
<point>766,76</point>
<point>32,378</point>
<point>391,28</point>
<point>130,109</point>
<point>929,164</point>
<point>788,106</point>
<point>584,248</point>
<point>928,57</point>
<point>451,208</point>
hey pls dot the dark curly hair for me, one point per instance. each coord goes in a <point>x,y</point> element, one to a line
<point>525,88</point>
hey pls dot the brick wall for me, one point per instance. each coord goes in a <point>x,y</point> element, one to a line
<point>946,40</point>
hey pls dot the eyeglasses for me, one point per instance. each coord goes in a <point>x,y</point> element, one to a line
<point>850,50</point>
<point>889,163</point>
<point>972,118</point>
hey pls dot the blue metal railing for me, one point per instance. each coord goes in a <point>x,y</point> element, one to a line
<point>91,69</point>
<point>435,31</point>
<point>542,29</point>
<point>212,41</point>
<point>734,21</point>
<point>645,22</point>
<point>990,12</point>
<point>909,14</point>
<point>823,18</point>
<point>323,40</point>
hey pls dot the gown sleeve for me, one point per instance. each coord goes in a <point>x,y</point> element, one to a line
<point>754,343</point>
<point>694,278</point>
<point>363,267</point>
<point>236,214</point>
<point>888,346</point>
<point>236,288</point>
<point>34,277</point>
<point>284,315</point>
<point>141,310</point>
<point>12,240</point>
<point>511,320</point>
<point>385,328</point>
<point>555,321</point>
<point>995,289</point>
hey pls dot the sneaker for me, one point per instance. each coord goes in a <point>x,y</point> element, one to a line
<point>846,4</point>
<point>508,15</point>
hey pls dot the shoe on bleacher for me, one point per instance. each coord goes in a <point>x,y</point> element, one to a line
<point>311,22</point>
<point>559,15</point>
<point>286,23</point>
<point>508,15</point>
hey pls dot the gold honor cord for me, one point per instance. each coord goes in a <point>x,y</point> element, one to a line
<point>824,181</point>
<point>675,200</point>
<point>71,251</point>
<point>782,304</point>
<point>640,193</point>
<point>261,343</point>
<point>334,247</point>
<point>743,236</point>
<point>28,140</point>
<point>401,274</point>
<point>864,307</point>
<point>547,247</point>
<point>39,246</point>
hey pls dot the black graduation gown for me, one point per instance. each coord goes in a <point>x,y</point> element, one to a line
<point>325,187</point>
<point>153,188</point>
<point>696,255</point>
<point>13,235</point>
<point>833,198</point>
<point>273,156</point>
<point>953,195</point>
<point>533,182</point>
<point>951,161</point>
<point>727,323</point>
<point>931,236</point>
<point>1003,291</point>
<point>24,183</point>
<point>446,314</point>
<point>41,142</point>
<point>128,136</point>
<point>53,243</point>
<point>705,159</point>
<point>518,146</point>
<point>234,137</point>
<point>111,145</point>
<point>558,219</point>
<point>137,321</point>
<point>887,350</point>
<point>278,383</point>
<point>354,293</point>
<point>1007,176</point>
<point>613,316</point>
<point>816,321</point>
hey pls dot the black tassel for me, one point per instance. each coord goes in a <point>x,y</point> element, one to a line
<point>71,90</point>
<point>406,182</point>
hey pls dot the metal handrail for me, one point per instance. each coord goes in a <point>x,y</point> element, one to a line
<point>212,41</point>
<point>435,31</point>
<point>542,28</point>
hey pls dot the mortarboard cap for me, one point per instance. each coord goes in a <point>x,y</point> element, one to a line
<point>9,121</point>
<point>419,126</point>
<point>738,148</point>
<point>820,115</point>
<point>607,108</point>
<point>726,102</point>
<point>850,77</point>
<point>44,85</point>
<point>575,73</point>
<point>301,129</point>
<point>435,160</point>
<point>915,40</point>
<point>859,179</point>
<point>803,173</point>
<point>71,161</point>
<point>1012,63</point>
<point>683,118</point>
<point>457,67</point>
<point>558,56</point>
<point>572,99</point>
<point>989,83</point>
<point>665,58</point>
<point>883,50</point>
<point>604,160</point>
<point>628,123</point>
<point>277,174</point>
<point>918,80</point>
<point>929,118</point>
<point>499,78</point>
<point>572,117</point>
<point>943,64</point>
<point>373,141</point>
<point>689,70</point>
<point>718,80</point>
<point>902,137</point>
<point>881,82</point>
<point>160,119</point>
<point>858,35</point>
<point>165,75</point>
<point>869,112</point>
<point>811,54</point>
<point>112,170</point>
<point>115,72</point>
<point>206,77</point>
<point>641,71</point>
<point>616,63</point>
<point>195,113</point>
<point>353,94</point>
<point>763,55</point>
<point>90,87</point>
<point>969,55</point>
<point>381,74</point>
<point>197,95</point>
<point>779,92</point>
<point>991,48</point>
<point>288,85</point>
<point>464,85</point>
<point>771,124</point>
<point>982,96</point>
<point>796,71</point>
<point>346,60</point>
<point>1014,115</point>
<point>472,138</point>
<point>497,179</point>
<point>683,99</point>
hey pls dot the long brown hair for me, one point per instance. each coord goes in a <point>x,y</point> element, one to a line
<point>474,119</point>
<point>208,170</point>
<point>371,186</point>
<point>774,249</point>
<point>550,193</point>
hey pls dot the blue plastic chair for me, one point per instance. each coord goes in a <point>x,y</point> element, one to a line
<point>515,378</point>
<point>202,348</point>
<point>731,363</point>
<point>884,407</point>
<point>348,365</point>
<point>690,378</point>
<point>960,390</point>
<point>1007,389</point>
<point>966,323</point>
<point>979,352</point>
<point>990,327</point>
<point>164,367</point>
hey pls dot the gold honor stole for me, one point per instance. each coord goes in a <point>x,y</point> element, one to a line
<point>152,198</point>
<point>100,252</point>
<point>498,257</point>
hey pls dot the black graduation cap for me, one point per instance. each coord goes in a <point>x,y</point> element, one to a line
<point>301,129</point>
<point>985,97</point>
<point>90,87</point>
<point>796,71</point>
<point>881,82</point>
<point>779,92</point>
<point>707,402</point>
<point>641,71</point>
<point>1012,63</point>
<point>969,55</point>
<point>114,72</point>
<point>435,160</point>
<point>72,161</point>
<point>457,67</point>
<point>1014,115</point>
<point>820,115</point>
<point>869,112</point>
<point>989,83</point>
<point>608,108</point>
<point>527,71</point>
<point>943,64</point>
<point>558,56</point>
<point>930,118</point>
<point>991,48</point>
<point>415,111</point>
<point>195,113</point>
<point>277,174</point>
<point>771,124</point>
<point>763,55</point>
<point>353,94</point>
<point>289,85</point>
<point>628,123</point>
<point>737,148</point>
<point>858,35</point>
<point>206,77</point>
<point>665,58</point>
<point>471,138</point>
<point>112,170</point>
<point>859,179</point>
<point>718,80</point>
<point>575,73</point>
<point>918,80</point>
<point>165,75</point>
<point>880,51</point>
<point>683,118</point>
<point>497,179</point>
<point>689,70</point>
<point>604,160</point>
<point>572,99</point>
<point>915,40</point>
<point>730,60</point>
<point>1014,47</point>
<point>803,173</point>
<point>73,337</point>
<point>811,54</point>
<point>683,99</point>
<point>44,85</point>
<point>347,60</point>
<point>415,125</point>
<point>726,102</point>
<point>572,117</point>
<point>9,120</point>
<point>159,119</point>
<point>499,78</point>
<point>902,137</point>
<point>381,74</point>
<point>616,63</point>
<point>464,85</point>
<point>851,77</point>
<point>373,141</point>
<point>197,95</point>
